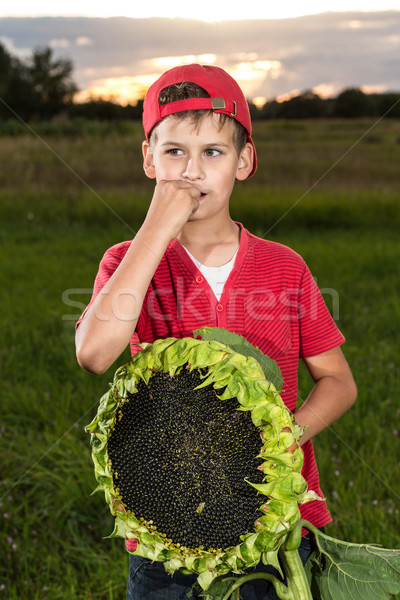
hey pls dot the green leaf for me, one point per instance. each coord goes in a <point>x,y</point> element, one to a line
<point>220,588</point>
<point>286,488</point>
<point>239,344</point>
<point>353,571</point>
<point>271,558</point>
<point>205,579</point>
<point>120,529</point>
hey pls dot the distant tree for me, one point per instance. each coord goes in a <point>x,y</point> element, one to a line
<point>270,110</point>
<point>96,108</point>
<point>351,103</point>
<point>106,110</point>
<point>14,87</point>
<point>388,104</point>
<point>51,83</point>
<point>41,87</point>
<point>255,112</point>
<point>5,78</point>
<point>307,105</point>
<point>5,69</point>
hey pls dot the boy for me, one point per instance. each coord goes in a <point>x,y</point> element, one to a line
<point>191,265</point>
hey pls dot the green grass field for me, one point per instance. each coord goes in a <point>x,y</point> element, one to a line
<point>328,189</point>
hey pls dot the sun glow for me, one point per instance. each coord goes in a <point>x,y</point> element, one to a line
<point>259,101</point>
<point>122,90</point>
<point>288,96</point>
<point>325,90</point>
<point>249,70</point>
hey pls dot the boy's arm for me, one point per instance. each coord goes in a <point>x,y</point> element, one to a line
<point>111,319</point>
<point>333,394</point>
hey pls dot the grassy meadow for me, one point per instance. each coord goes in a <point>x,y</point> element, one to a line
<point>329,189</point>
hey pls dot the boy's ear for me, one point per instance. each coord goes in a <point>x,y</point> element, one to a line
<point>148,160</point>
<point>246,159</point>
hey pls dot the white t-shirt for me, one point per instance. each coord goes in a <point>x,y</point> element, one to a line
<point>216,276</point>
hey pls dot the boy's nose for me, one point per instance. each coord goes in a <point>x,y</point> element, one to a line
<point>193,169</point>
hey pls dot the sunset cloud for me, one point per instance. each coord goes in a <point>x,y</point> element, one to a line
<point>120,57</point>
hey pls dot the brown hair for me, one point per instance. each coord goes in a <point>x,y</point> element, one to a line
<point>187,89</point>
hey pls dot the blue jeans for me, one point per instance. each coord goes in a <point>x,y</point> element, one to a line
<point>149,581</point>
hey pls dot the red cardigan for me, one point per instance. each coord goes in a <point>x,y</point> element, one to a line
<point>270,297</point>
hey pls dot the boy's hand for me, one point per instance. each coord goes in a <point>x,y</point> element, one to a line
<point>112,317</point>
<point>173,203</point>
<point>334,392</point>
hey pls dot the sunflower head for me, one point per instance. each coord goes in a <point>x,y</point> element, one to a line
<point>198,458</point>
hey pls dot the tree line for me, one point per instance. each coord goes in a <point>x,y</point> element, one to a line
<point>42,88</point>
<point>350,103</point>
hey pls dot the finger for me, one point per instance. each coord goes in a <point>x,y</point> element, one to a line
<point>195,206</point>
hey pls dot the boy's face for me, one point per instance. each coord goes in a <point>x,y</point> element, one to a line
<point>203,155</point>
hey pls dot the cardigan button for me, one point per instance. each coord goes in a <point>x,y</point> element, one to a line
<point>199,279</point>
<point>220,307</point>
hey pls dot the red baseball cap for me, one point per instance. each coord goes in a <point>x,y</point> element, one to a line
<point>225,97</point>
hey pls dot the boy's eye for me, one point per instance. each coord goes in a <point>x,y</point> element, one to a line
<point>174,152</point>
<point>212,152</point>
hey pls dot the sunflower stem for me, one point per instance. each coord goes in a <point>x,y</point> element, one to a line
<point>297,585</point>
<point>280,588</point>
<point>295,574</point>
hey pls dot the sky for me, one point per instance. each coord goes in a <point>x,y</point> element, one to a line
<point>208,10</point>
<point>271,56</point>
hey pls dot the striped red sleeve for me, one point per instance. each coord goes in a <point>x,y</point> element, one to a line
<point>108,264</point>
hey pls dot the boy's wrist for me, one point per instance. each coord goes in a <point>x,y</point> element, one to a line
<point>153,236</point>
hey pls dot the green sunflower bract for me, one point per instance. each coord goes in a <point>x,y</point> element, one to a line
<point>271,481</point>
